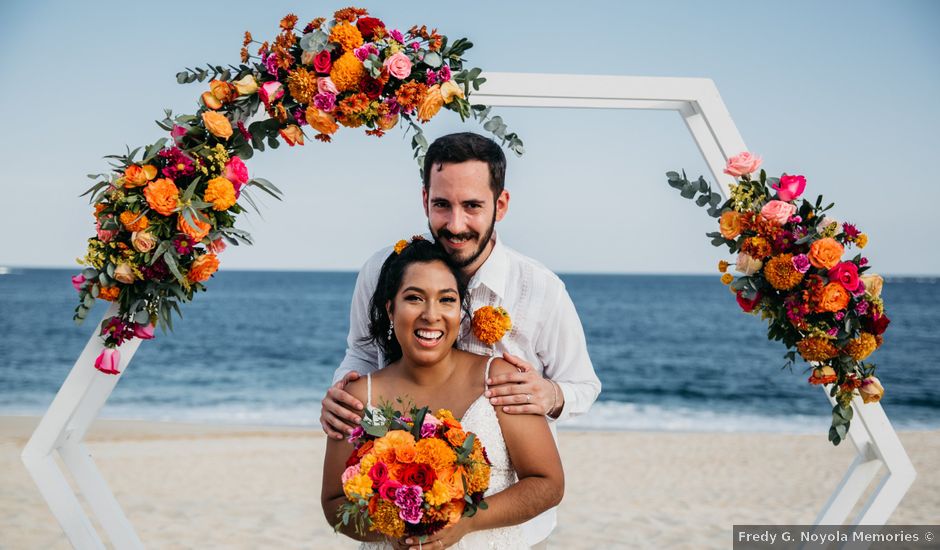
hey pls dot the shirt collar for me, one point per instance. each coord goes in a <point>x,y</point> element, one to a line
<point>492,274</point>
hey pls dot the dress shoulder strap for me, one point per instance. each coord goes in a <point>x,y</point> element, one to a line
<point>486,373</point>
<point>369,389</point>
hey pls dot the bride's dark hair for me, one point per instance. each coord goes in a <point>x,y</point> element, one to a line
<point>390,280</point>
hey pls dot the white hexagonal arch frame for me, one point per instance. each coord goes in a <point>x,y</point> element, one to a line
<point>85,390</point>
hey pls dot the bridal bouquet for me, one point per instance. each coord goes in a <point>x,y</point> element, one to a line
<point>795,272</point>
<point>412,474</point>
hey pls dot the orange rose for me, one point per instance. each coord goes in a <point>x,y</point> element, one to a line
<point>730,224</point>
<point>834,297</point>
<point>293,135</point>
<point>431,104</point>
<point>203,268</point>
<point>456,437</point>
<point>223,91</point>
<point>211,101</point>
<point>162,195</point>
<point>321,121</point>
<point>196,234</point>
<point>221,193</point>
<point>217,124</point>
<point>135,176</point>
<point>825,253</point>
<point>387,122</point>
<point>133,221</point>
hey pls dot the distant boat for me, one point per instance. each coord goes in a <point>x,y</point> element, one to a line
<point>5,270</point>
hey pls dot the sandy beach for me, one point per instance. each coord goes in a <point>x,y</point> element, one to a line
<point>211,486</point>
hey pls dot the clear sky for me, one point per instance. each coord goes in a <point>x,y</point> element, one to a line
<point>844,92</point>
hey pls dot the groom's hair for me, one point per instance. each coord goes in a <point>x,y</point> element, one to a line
<point>464,146</point>
<point>390,280</point>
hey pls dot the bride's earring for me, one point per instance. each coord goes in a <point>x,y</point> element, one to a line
<point>391,327</point>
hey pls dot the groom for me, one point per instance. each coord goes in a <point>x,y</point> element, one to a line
<point>464,197</point>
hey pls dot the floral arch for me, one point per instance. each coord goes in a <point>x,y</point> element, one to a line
<point>172,206</point>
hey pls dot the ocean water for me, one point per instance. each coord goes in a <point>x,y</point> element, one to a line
<point>674,353</point>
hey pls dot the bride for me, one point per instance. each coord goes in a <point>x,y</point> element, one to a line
<point>415,318</point>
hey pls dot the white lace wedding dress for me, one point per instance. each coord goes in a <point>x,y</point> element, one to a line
<point>481,419</point>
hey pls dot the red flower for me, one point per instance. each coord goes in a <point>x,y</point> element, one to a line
<point>845,273</point>
<point>419,474</point>
<point>322,62</point>
<point>368,25</point>
<point>379,473</point>
<point>876,325</point>
<point>748,305</point>
<point>371,87</point>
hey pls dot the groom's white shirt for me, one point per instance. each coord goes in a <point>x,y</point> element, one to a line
<point>546,332</point>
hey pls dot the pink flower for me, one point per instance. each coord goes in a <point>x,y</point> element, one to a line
<point>237,173</point>
<point>325,86</point>
<point>177,133</point>
<point>428,429</point>
<point>430,77</point>
<point>444,74</point>
<point>778,212</point>
<point>389,489</point>
<point>108,361</point>
<point>271,92</point>
<point>845,273</point>
<point>78,281</point>
<point>850,230</point>
<point>349,473</point>
<point>833,331</point>
<point>801,263</point>
<point>144,332</point>
<point>398,65</point>
<point>742,164</point>
<point>326,102</point>
<point>415,46</point>
<point>790,187</point>
<point>409,500</point>
<point>355,435</point>
<point>396,35</point>
<point>840,315</point>
<point>217,246</point>
<point>105,235</point>
<point>363,52</point>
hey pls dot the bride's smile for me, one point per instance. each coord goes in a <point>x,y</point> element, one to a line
<point>426,312</point>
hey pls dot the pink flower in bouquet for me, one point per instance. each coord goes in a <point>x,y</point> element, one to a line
<point>430,77</point>
<point>182,244</point>
<point>108,361</point>
<point>177,133</point>
<point>833,331</point>
<point>397,35</point>
<point>845,273</point>
<point>398,65</point>
<point>355,435</point>
<point>104,235</point>
<point>78,281</point>
<point>363,52</point>
<point>444,74</point>
<point>409,500</point>
<point>144,332</point>
<point>850,230</point>
<point>742,164</point>
<point>325,85</point>
<point>790,187</point>
<point>389,489</point>
<point>271,92</point>
<point>237,173</point>
<point>326,102</point>
<point>217,246</point>
<point>747,265</point>
<point>349,473</point>
<point>778,212</point>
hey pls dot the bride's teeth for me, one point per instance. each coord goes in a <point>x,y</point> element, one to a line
<point>429,334</point>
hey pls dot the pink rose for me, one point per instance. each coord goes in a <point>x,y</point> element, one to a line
<point>271,91</point>
<point>217,246</point>
<point>389,489</point>
<point>144,332</point>
<point>747,265</point>
<point>237,173</point>
<point>398,66</point>
<point>104,235</point>
<point>108,361</point>
<point>778,212</point>
<point>349,473</point>
<point>742,164</point>
<point>177,133</point>
<point>78,281</point>
<point>325,86</point>
<point>790,187</point>
<point>845,273</point>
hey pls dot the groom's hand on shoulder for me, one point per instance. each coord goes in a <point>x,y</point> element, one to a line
<point>521,390</point>
<point>338,414</point>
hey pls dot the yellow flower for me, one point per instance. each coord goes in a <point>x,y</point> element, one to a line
<point>450,90</point>
<point>247,85</point>
<point>386,520</point>
<point>723,266</point>
<point>400,245</point>
<point>727,278</point>
<point>358,486</point>
<point>861,240</point>
<point>439,493</point>
<point>871,390</point>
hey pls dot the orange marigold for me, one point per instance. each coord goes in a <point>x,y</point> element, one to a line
<point>195,233</point>
<point>816,348</point>
<point>349,14</point>
<point>386,520</point>
<point>411,94</point>
<point>354,105</point>
<point>302,85</point>
<point>347,36</point>
<point>478,477</point>
<point>133,221</point>
<point>490,324</point>
<point>109,293</point>
<point>861,347</point>
<point>727,279</point>
<point>756,247</point>
<point>221,193</point>
<point>203,268</point>
<point>347,71</point>
<point>435,453</point>
<point>400,245</point>
<point>780,272</point>
<point>288,22</point>
<point>723,266</point>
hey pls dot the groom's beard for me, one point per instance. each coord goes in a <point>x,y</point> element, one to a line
<point>465,258</point>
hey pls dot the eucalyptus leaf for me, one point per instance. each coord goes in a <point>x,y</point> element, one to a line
<point>433,59</point>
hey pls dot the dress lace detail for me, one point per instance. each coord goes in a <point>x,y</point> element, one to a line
<point>481,419</point>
